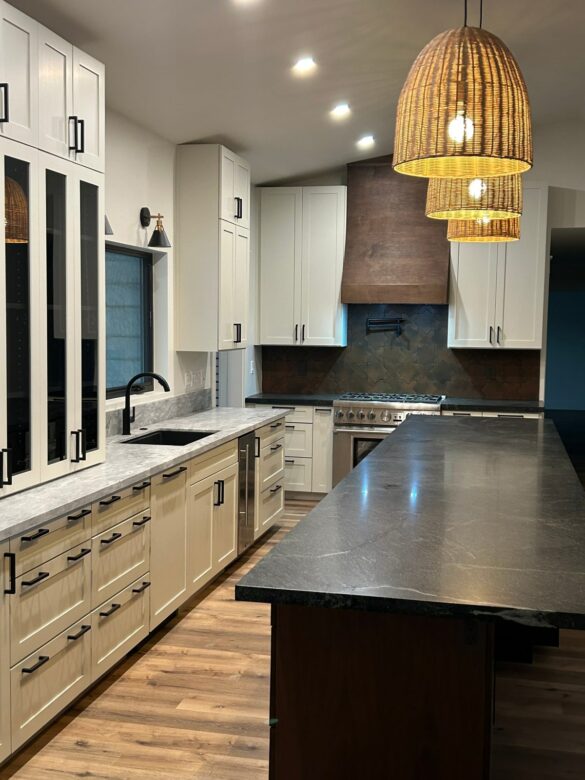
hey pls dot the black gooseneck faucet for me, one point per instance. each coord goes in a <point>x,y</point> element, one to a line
<point>127,417</point>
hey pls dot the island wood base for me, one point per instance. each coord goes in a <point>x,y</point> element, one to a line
<point>359,695</point>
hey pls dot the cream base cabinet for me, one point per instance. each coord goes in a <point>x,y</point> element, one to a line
<point>322,476</point>
<point>496,298</point>
<point>212,250</point>
<point>168,543</point>
<point>5,585</point>
<point>201,504</point>
<point>224,536</point>
<point>19,94</point>
<point>302,243</point>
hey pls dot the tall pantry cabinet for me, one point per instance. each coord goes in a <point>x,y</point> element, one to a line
<point>52,286</point>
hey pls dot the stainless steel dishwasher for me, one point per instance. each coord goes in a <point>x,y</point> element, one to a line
<point>247,486</point>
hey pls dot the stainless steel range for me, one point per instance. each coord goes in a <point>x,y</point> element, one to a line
<point>363,420</point>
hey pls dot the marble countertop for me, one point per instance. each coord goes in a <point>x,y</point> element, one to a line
<point>477,517</point>
<point>125,465</point>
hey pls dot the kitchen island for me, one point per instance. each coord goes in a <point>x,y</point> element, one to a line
<point>386,597</point>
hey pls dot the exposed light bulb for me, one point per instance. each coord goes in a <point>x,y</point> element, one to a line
<point>476,188</point>
<point>460,128</point>
<point>340,111</point>
<point>304,66</point>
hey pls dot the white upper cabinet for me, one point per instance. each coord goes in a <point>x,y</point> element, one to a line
<point>19,81</point>
<point>213,249</point>
<point>56,130</point>
<point>496,298</point>
<point>89,118</point>
<point>302,243</point>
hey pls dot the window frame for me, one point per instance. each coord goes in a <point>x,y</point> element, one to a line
<point>148,320</point>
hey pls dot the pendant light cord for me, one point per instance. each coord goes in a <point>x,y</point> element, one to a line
<point>480,13</point>
<point>465,13</point>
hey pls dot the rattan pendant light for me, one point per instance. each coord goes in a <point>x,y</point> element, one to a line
<point>463,111</point>
<point>483,230</point>
<point>16,213</point>
<point>498,197</point>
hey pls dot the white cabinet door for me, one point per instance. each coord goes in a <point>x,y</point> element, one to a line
<point>472,298</point>
<point>20,369</point>
<point>322,450</point>
<point>89,109</point>
<point>224,540</point>
<point>322,314</point>
<point>168,543</point>
<point>521,277</point>
<point>5,585</point>
<point>242,192</point>
<point>241,286</point>
<point>298,474</point>
<point>227,251</point>
<point>19,79</point>
<point>227,185</point>
<point>55,93</point>
<point>201,500</point>
<point>280,264</point>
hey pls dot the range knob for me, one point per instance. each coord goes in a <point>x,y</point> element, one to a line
<point>371,415</point>
<point>362,415</point>
<point>339,414</point>
<point>350,415</point>
<point>385,416</point>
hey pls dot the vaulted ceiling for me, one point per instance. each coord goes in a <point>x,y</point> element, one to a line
<point>197,70</point>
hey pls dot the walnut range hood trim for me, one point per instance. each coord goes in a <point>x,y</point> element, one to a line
<point>393,253</point>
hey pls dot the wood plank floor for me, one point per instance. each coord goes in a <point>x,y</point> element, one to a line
<point>192,702</point>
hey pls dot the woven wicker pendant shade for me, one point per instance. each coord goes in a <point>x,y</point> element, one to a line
<point>16,213</point>
<point>480,231</point>
<point>498,197</point>
<point>463,111</point>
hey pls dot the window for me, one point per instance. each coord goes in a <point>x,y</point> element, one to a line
<point>128,317</point>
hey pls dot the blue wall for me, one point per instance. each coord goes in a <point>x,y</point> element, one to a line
<point>565,362</point>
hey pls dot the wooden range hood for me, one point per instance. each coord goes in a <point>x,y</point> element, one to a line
<point>393,252</point>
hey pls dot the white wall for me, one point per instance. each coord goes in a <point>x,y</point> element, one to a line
<point>140,171</point>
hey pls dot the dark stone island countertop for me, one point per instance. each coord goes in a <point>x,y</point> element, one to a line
<point>477,517</point>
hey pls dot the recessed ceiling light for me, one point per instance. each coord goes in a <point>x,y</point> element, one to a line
<point>304,66</point>
<point>340,111</point>
<point>365,142</point>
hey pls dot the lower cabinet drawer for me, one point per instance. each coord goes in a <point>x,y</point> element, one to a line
<point>47,681</point>
<point>111,509</point>
<point>298,440</point>
<point>49,599</point>
<point>119,624</point>
<point>298,474</point>
<point>271,505</point>
<point>271,463</point>
<point>270,433</point>
<point>119,556</point>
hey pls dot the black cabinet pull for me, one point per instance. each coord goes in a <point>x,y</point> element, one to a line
<point>139,488</point>
<point>11,589</point>
<point>239,208</point>
<point>5,103</point>
<point>296,332</point>
<point>289,460</point>
<point>83,630</point>
<point>8,479</point>
<point>30,669</point>
<point>238,327</point>
<point>218,502</point>
<point>323,411</point>
<point>303,333</point>
<point>80,516</point>
<point>82,553</point>
<point>73,146</point>
<point>491,334</point>
<point>81,146</point>
<point>498,334</point>
<point>110,501</point>
<point>275,447</point>
<point>42,575</point>
<point>37,535</point>
<point>176,473</point>
<point>276,489</point>
<point>113,538</point>
<point>77,457</point>
<point>290,427</point>
<point>144,521</point>
<point>141,588</point>
<point>111,610</point>
<point>276,424</point>
<point>220,493</point>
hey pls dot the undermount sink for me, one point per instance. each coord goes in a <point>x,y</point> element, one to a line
<point>170,438</point>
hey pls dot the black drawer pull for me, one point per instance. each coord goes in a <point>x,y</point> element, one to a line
<point>276,425</point>
<point>275,447</point>
<point>6,110</point>
<point>290,427</point>
<point>83,630</point>
<point>141,588</point>
<point>42,660</point>
<point>276,489</point>
<point>11,589</point>
<point>176,473</point>
<point>37,535</point>
<point>139,523</point>
<point>113,538</point>
<point>82,553</point>
<point>111,610</point>
<point>110,501</point>
<point>80,516</point>
<point>42,575</point>
<point>289,460</point>
<point>139,488</point>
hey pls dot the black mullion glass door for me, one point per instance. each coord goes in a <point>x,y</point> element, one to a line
<point>89,277</point>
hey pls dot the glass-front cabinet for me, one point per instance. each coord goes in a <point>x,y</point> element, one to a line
<point>52,342</point>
